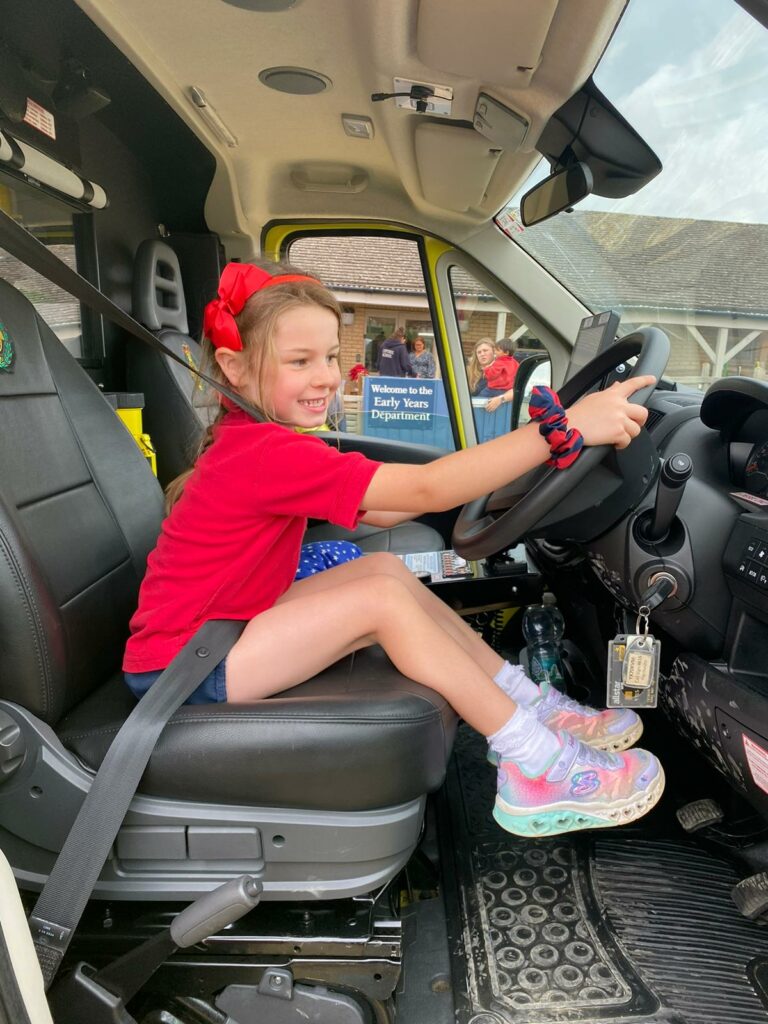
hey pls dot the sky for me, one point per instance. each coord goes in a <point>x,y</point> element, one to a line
<point>691,76</point>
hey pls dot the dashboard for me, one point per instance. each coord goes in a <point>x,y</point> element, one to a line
<point>722,516</point>
<point>738,408</point>
<point>756,469</point>
<point>714,629</point>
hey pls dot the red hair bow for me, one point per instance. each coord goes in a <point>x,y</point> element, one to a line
<point>238,283</point>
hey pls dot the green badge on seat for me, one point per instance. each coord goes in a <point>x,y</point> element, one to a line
<point>7,350</point>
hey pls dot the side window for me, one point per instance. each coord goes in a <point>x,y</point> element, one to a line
<point>53,223</point>
<point>503,357</point>
<point>392,383</point>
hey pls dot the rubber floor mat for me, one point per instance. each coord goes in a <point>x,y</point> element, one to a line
<point>593,927</point>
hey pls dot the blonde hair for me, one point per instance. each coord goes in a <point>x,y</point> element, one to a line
<point>474,369</point>
<point>257,324</point>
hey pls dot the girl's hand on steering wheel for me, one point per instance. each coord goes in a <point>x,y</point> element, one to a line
<point>608,417</point>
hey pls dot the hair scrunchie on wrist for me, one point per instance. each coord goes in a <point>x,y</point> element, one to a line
<point>564,442</point>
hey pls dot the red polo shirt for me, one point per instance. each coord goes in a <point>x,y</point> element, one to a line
<point>230,547</point>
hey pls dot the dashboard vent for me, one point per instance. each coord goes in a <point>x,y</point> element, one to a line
<point>654,417</point>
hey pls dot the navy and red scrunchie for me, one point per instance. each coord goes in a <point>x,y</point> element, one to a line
<point>564,442</point>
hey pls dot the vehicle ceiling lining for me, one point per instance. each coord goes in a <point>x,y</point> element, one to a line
<point>360,47</point>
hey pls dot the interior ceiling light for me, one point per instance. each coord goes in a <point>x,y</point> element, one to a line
<point>297,81</point>
<point>211,117</point>
<point>357,125</point>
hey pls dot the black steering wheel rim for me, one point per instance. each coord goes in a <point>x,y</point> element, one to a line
<point>477,535</point>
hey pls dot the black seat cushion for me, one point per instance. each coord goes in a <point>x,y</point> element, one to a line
<point>357,736</point>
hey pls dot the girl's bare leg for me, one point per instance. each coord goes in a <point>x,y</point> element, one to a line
<point>382,563</point>
<point>319,621</point>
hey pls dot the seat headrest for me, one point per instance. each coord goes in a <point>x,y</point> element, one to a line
<point>158,292</point>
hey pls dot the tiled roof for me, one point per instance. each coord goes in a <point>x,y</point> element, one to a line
<point>647,262</point>
<point>371,264</point>
<point>656,262</point>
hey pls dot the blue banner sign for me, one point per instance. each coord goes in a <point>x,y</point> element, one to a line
<point>406,409</point>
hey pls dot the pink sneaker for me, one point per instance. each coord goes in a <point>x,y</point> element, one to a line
<point>584,788</point>
<point>614,729</point>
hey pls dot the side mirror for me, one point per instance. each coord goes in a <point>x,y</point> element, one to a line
<point>556,193</point>
<point>534,371</point>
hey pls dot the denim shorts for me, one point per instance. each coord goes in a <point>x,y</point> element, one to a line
<point>212,690</point>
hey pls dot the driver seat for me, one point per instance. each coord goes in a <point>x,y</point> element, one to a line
<point>320,790</point>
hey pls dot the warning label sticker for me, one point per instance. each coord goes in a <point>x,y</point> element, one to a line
<point>757,759</point>
<point>751,498</point>
<point>40,118</point>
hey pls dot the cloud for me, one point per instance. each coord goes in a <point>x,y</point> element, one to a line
<point>704,115</point>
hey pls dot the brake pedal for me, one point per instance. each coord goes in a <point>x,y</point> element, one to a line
<point>751,895</point>
<point>699,814</point>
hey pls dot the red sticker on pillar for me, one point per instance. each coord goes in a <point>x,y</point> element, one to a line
<point>40,118</point>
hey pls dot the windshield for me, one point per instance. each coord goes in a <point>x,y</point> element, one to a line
<point>689,252</point>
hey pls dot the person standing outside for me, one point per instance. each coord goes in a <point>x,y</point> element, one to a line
<point>393,356</point>
<point>482,356</point>
<point>422,360</point>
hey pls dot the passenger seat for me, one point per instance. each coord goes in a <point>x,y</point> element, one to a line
<point>178,408</point>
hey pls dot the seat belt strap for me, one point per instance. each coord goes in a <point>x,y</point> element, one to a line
<point>20,243</point>
<point>86,848</point>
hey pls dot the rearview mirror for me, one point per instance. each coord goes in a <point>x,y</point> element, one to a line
<point>556,193</point>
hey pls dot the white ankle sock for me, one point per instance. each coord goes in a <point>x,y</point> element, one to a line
<point>524,740</point>
<point>516,684</point>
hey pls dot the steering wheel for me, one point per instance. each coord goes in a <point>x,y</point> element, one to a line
<point>477,534</point>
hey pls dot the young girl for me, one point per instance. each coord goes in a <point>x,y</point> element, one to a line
<point>230,546</point>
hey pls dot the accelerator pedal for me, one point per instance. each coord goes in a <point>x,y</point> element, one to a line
<point>751,896</point>
<point>699,814</point>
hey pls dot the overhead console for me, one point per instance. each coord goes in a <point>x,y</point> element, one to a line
<point>514,61</point>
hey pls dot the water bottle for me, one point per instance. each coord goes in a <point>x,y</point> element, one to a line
<point>543,628</point>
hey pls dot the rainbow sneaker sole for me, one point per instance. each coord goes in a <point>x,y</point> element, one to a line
<point>583,789</point>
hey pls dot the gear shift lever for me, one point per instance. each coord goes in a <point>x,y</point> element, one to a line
<point>673,477</point>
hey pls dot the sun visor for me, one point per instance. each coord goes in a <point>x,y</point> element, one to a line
<point>17,155</point>
<point>497,41</point>
<point>455,165</point>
